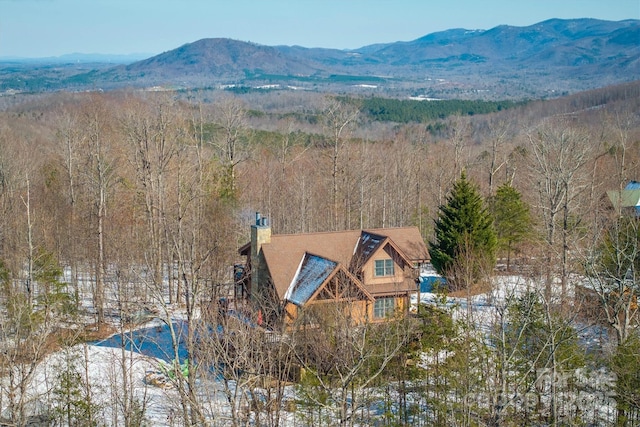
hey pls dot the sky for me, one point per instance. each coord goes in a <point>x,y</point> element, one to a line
<point>45,28</point>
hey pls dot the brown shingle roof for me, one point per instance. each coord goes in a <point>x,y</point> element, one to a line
<point>409,240</point>
<point>284,254</point>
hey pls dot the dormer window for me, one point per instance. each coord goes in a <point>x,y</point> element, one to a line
<point>384,267</point>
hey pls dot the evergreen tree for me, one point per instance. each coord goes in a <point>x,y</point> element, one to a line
<point>512,221</point>
<point>614,274</point>
<point>538,349</point>
<point>464,225</point>
<point>626,365</point>
<point>73,401</point>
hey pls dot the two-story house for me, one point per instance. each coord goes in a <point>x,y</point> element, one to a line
<point>371,273</point>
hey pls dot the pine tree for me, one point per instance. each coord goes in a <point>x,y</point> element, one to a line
<point>512,221</point>
<point>463,226</point>
<point>625,364</point>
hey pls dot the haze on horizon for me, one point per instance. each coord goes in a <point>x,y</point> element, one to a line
<point>46,28</point>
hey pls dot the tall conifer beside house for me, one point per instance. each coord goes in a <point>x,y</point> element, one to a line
<point>464,225</point>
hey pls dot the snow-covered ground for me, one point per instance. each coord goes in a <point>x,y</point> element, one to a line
<point>98,370</point>
<point>101,364</point>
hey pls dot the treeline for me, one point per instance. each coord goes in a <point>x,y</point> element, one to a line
<point>422,111</point>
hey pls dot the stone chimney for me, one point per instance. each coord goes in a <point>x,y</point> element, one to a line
<point>260,235</point>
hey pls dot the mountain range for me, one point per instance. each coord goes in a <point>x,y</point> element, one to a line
<point>550,58</point>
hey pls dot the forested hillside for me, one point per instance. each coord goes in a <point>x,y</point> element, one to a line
<point>424,111</point>
<point>118,203</point>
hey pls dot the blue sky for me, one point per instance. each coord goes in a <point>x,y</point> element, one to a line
<point>42,28</point>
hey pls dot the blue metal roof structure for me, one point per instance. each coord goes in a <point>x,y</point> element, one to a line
<point>633,185</point>
<point>369,243</point>
<point>312,273</point>
<point>628,198</point>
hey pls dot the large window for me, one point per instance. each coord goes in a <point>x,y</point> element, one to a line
<point>383,307</point>
<point>384,267</point>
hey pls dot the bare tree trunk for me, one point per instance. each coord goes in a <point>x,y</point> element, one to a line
<point>99,295</point>
<point>560,154</point>
<point>498,135</point>
<point>101,173</point>
<point>338,118</point>
<point>29,282</point>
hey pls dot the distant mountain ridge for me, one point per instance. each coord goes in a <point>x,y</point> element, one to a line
<point>552,56</point>
<point>84,58</point>
<point>220,57</point>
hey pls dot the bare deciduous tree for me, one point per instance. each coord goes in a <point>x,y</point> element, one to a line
<point>100,165</point>
<point>338,119</point>
<point>558,169</point>
<point>230,140</point>
<point>342,358</point>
